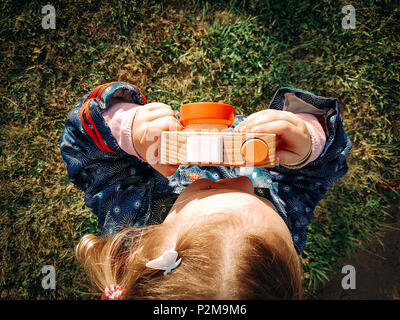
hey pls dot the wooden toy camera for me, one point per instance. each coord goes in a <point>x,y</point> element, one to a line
<point>207,140</point>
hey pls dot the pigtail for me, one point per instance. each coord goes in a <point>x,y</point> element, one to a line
<point>115,260</point>
<point>88,253</point>
<point>87,247</point>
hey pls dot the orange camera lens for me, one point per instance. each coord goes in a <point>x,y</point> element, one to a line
<point>207,112</point>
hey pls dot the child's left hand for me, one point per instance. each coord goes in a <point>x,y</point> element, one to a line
<point>293,138</point>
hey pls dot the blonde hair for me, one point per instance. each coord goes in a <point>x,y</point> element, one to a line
<point>221,259</point>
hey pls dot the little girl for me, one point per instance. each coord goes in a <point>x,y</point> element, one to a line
<point>198,232</point>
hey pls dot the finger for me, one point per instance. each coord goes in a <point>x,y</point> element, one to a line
<point>265,112</point>
<point>156,127</point>
<point>242,125</point>
<point>239,126</point>
<point>282,128</point>
<point>157,105</point>
<point>254,115</point>
<point>265,116</point>
<point>271,115</point>
<point>156,114</point>
<point>166,123</point>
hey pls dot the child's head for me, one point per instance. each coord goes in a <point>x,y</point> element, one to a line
<point>233,245</point>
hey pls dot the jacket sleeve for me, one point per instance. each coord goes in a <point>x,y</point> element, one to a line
<point>111,179</point>
<point>298,191</point>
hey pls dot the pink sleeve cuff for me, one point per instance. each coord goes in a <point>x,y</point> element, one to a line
<point>317,134</point>
<point>119,117</point>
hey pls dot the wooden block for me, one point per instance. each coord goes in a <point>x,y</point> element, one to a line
<point>174,148</point>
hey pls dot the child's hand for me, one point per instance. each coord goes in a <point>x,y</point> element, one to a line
<point>150,120</point>
<point>293,138</point>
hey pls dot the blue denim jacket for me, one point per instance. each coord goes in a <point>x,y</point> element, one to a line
<point>122,190</point>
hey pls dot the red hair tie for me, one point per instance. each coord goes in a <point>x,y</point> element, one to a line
<point>112,292</point>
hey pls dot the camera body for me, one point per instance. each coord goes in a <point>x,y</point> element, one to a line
<point>208,140</point>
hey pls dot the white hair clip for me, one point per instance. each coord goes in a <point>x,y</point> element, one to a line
<point>167,261</point>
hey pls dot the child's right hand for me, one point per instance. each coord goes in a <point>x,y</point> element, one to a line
<point>150,120</point>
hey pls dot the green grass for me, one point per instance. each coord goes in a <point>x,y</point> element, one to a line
<point>236,52</point>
